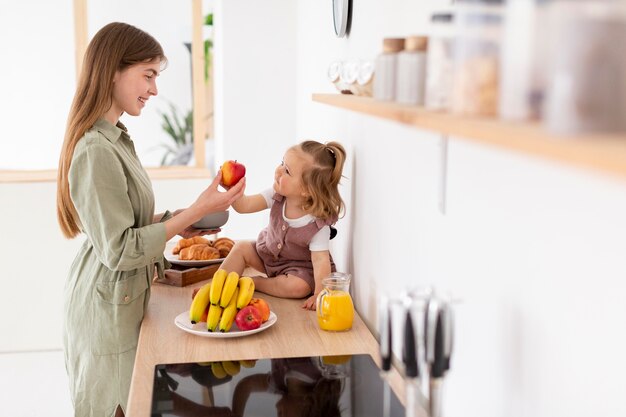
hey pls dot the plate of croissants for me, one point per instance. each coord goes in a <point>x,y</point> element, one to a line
<point>198,251</point>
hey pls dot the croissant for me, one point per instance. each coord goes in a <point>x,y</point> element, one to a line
<point>224,245</point>
<point>198,252</point>
<point>184,243</point>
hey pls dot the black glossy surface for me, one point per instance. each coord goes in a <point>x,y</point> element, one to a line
<point>347,386</point>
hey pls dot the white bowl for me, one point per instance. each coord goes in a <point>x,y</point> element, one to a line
<point>212,220</point>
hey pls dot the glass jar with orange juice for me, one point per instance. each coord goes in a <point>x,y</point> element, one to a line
<point>335,311</point>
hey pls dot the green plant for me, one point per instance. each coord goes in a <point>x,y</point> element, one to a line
<point>208,45</point>
<point>180,129</point>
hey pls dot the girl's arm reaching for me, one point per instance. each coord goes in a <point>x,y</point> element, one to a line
<point>250,203</point>
<point>321,269</point>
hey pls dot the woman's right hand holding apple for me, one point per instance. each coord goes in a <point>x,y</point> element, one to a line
<point>212,200</point>
<point>209,201</point>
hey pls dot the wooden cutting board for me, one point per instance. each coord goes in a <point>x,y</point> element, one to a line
<point>181,276</point>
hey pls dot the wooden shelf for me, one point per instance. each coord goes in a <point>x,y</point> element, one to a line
<point>606,153</point>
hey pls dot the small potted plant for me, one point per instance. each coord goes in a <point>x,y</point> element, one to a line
<point>180,130</point>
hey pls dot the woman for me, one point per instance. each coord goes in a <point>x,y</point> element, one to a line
<point>104,192</point>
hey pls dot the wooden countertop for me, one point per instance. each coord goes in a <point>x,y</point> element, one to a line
<point>296,333</point>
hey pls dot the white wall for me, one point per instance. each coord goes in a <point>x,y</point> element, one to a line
<point>255,79</point>
<point>534,249</point>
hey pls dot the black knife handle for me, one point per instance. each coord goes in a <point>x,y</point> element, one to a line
<point>385,333</point>
<point>440,362</point>
<point>409,351</point>
<point>386,359</point>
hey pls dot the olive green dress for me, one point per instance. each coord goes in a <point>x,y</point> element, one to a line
<point>108,287</point>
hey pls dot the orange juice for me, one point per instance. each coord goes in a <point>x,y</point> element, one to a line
<point>335,311</point>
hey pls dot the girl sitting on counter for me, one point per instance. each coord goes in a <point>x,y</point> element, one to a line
<point>293,250</point>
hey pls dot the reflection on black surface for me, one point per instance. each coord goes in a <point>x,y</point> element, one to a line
<point>303,387</point>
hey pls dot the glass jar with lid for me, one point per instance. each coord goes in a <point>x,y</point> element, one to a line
<point>411,71</point>
<point>586,83</point>
<point>365,78</point>
<point>476,59</point>
<point>385,70</point>
<point>439,61</point>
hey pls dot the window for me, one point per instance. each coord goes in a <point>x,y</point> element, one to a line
<point>40,79</point>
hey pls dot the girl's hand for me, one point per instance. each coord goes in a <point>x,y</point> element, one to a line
<point>310,303</point>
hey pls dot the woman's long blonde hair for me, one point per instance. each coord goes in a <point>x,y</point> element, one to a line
<point>115,47</point>
<point>321,180</point>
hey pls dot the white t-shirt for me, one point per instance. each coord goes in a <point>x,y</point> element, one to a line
<point>320,241</point>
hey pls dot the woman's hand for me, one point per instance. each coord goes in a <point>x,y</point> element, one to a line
<point>191,231</point>
<point>212,200</point>
<point>209,201</point>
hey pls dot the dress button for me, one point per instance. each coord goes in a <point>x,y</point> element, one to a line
<point>126,298</point>
<point>284,227</point>
<point>279,245</point>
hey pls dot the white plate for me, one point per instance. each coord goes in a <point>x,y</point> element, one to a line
<point>199,329</point>
<point>177,261</point>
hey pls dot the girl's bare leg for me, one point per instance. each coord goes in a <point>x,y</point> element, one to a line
<point>284,286</point>
<point>241,256</point>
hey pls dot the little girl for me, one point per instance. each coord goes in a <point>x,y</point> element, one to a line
<point>293,250</point>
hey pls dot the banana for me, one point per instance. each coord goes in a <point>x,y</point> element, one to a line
<point>218,370</point>
<point>229,313</point>
<point>229,288</point>
<point>232,368</point>
<point>213,318</point>
<point>216,285</point>
<point>246,290</point>
<point>199,304</point>
<point>248,363</point>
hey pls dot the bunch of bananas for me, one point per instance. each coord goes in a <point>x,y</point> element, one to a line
<point>224,295</point>
<point>222,369</point>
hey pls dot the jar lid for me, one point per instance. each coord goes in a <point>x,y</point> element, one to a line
<point>416,43</point>
<point>393,44</point>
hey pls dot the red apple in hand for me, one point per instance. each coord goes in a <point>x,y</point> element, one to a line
<point>232,172</point>
<point>248,318</point>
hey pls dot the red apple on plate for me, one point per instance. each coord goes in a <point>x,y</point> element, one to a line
<point>232,172</point>
<point>248,318</point>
